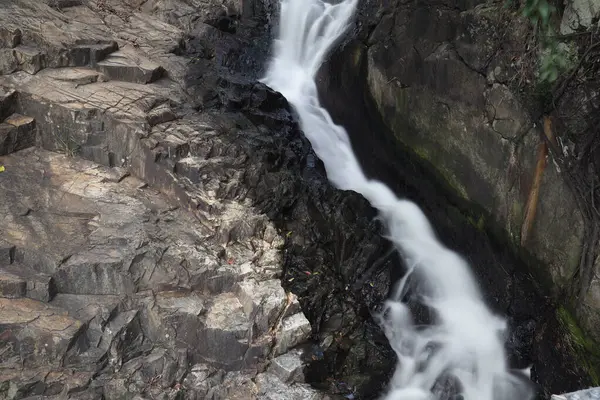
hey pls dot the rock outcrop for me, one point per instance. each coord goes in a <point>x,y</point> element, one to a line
<point>447,81</point>
<point>133,261</point>
<point>169,197</point>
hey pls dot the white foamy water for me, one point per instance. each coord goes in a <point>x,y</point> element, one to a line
<point>464,344</point>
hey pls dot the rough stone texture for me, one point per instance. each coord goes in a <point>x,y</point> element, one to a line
<point>579,14</point>
<point>109,286</point>
<point>441,115</point>
<point>270,387</point>
<point>472,132</point>
<point>288,367</point>
<point>587,394</point>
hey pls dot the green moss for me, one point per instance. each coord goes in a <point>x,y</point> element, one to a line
<point>446,175</point>
<point>583,347</point>
<point>357,56</point>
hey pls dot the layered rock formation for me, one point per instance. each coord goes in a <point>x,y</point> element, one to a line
<point>111,287</point>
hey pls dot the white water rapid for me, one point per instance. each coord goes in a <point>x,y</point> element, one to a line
<point>465,341</point>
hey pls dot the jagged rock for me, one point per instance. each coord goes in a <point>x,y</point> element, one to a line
<point>12,286</point>
<point>295,329</point>
<point>10,37</point>
<point>579,14</point>
<point>16,133</point>
<point>8,61</point>
<point>161,114</point>
<point>39,286</point>
<point>7,103</point>
<point>264,300</point>
<point>78,76</point>
<point>177,291</point>
<point>89,309</point>
<point>126,65</point>
<point>288,367</point>
<point>587,394</point>
<point>34,333</point>
<point>30,59</point>
<point>270,387</point>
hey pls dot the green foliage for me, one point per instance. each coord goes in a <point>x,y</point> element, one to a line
<point>554,56</point>
<point>554,60</point>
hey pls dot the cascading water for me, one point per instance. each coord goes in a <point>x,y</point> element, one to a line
<point>464,344</point>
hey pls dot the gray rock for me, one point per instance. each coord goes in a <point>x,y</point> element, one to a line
<point>30,59</point>
<point>161,114</point>
<point>38,334</point>
<point>39,286</point>
<point>288,367</point>
<point>17,132</point>
<point>295,329</point>
<point>10,36</point>
<point>579,14</point>
<point>8,61</point>
<point>8,99</point>
<point>12,286</point>
<point>587,394</point>
<point>127,65</point>
<point>263,300</point>
<point>270,387</point>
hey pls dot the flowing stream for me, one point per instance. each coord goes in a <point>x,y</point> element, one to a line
<point>461,353</point>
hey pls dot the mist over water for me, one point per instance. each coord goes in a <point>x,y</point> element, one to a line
<point>461,353</point>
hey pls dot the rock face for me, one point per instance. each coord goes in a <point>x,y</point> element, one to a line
<point>146,238</point>
<point>448,99</point>
<point>590,394</point>
<point>444,79</point>
<point>109,286</point>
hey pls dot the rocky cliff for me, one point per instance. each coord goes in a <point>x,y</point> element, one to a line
<point>168,232</point>
<point>456,86</point>
<point>141,246</point>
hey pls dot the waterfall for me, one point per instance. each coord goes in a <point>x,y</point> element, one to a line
<point>464,346</point>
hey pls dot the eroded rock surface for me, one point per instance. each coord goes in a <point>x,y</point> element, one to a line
<point>443,121</point>
<point>134,260</point>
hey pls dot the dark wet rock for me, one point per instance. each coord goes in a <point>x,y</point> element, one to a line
<point>396,139</point>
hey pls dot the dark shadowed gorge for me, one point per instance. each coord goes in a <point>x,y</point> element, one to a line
<point>167,231</point>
